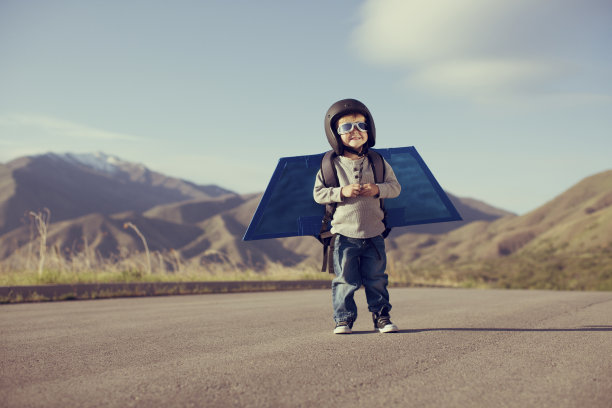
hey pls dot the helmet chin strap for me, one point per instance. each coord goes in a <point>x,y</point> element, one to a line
<point>361,153</point>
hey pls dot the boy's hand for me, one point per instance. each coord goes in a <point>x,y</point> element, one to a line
<point>369,190</point>
<point>351,190</point>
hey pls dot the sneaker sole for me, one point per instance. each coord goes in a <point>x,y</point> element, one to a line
<point>343,330</point>
<point>390,328</point>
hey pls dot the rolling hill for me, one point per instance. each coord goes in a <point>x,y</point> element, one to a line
<point>569,238</point>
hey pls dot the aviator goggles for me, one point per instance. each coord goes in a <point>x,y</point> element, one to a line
<point>348,127</point>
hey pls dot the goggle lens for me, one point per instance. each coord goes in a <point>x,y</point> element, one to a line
<point>347,127</point>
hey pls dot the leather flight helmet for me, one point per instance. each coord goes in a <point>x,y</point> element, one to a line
<point>339,109</point>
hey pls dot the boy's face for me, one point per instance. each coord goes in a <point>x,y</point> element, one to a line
<point>355,138</point>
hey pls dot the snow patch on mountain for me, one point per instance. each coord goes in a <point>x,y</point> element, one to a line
<point>98,161</point>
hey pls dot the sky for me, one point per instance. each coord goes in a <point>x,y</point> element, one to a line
<point>507,101</point>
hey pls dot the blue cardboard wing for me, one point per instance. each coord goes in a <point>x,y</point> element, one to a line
<point>288,209</point>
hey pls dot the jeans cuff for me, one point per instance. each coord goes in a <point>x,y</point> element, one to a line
<point>345,319</point>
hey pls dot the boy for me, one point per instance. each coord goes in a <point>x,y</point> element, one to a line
<point>358,247</point>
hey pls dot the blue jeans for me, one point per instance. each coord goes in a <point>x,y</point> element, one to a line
<point>357,262</point>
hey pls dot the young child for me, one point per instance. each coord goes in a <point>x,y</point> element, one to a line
<point>358,247</point>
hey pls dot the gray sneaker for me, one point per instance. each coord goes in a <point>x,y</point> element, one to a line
<point>382,322</point>
<point>343,328</point>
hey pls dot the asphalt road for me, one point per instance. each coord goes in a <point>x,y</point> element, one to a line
<point>455,348</point>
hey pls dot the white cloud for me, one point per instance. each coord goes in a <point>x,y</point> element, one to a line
<point>17,124</point>
<point>482,73</point>
<point>491,49</point>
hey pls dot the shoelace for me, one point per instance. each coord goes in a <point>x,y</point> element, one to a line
<point>384,320</point>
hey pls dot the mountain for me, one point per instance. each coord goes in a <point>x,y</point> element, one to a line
<point>202,231</point>
<point>566,237</point>
<point>71,186</point>
<point>104,235</point>
<point>470,209</point>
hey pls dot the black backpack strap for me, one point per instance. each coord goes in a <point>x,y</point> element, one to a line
<point>330,179</point>
<point>328,253</point>
<point>378,168</point>
<point>328,170</point>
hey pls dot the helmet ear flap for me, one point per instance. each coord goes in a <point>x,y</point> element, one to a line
<point>332,136</point>
<point>340,146</point>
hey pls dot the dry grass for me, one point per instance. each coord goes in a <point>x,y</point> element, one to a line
<point>87,267</point>
<point>582,260</point>
<point>548,268</point>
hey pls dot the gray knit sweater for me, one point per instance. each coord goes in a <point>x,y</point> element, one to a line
<point>356,217</point>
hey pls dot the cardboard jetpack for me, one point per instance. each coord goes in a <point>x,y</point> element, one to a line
<point>288,209</point>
